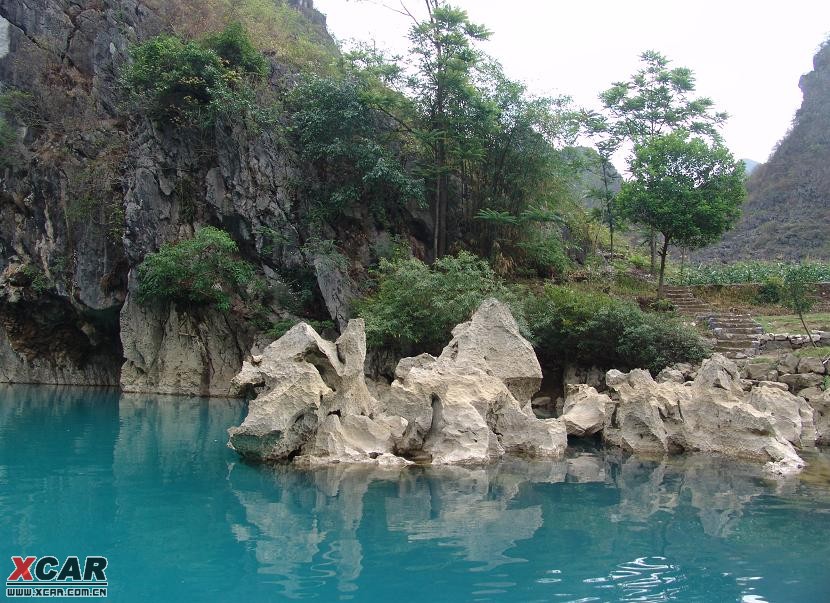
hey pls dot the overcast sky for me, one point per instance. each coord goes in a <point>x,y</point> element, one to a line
<point>747,56</point>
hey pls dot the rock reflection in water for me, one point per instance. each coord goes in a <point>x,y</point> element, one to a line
<point>149,482</point>
<point>476,512</point>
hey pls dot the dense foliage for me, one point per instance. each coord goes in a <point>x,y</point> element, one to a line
<point>415,306</point>
<point>684,189</point>
<point>489,152</point>
<point>191,83</point>
<point>750,272</point>
<point>205,270</point>
<point>351,146</point>
<point>569,326</point>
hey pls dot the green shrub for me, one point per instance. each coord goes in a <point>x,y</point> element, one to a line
<point>640,261</point>
<point>770,292</point>
<point>192,84</point>
<point>661,305</point>
<point>281,327</point>
<point>203,271</point>
<point>545,255</point>
<point>37,279</point>
<point>574,327</point>
<point>415,306</point>
<point>237,51</point>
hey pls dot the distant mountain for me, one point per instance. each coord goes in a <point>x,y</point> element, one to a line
<point>588,180</point>
<point>787,213</point>
<point>750,165</point>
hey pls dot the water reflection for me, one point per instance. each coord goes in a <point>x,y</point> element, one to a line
<point>148,480</point>
<point>481,515</point>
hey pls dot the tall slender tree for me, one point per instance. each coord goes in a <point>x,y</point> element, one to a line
<point>607,142</point>
<point>443,45</point>
<point>659,99</point>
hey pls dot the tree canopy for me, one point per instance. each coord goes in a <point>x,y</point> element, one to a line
<point>686,189</point>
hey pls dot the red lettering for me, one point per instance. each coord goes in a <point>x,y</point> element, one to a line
<point>21,568</point>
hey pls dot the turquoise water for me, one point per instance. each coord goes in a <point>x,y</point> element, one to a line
<point>148,482</point>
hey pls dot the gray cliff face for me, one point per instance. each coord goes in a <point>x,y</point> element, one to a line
<point>62,281</point>
<point>788,206</point>
<point>91,190</point>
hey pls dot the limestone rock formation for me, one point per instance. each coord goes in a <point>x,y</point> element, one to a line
<point>585,410</point>
<point>93,187</point>
<point>713,413</point>
<point>469,405</point>
<point>821,405</point>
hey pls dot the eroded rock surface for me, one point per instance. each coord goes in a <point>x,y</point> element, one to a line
<point>469,405</point>
<point>712,413</point>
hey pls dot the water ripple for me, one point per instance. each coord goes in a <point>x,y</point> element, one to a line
<point>643,579</point>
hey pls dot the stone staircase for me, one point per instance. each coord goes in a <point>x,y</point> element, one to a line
<point>736,334</point>
<point>685,302</point>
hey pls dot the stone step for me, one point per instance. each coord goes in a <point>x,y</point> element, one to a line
<point>736,345</point>
<point>734,325</point>
<point>739,355</point>
<point>740,330</point>
<point>736,348</point>
<point>737,341</point>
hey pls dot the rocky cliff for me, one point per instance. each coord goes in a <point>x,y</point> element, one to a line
<point>88,189</point>
<point>788,208</point>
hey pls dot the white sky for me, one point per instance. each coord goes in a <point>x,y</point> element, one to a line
<point>747,56</point>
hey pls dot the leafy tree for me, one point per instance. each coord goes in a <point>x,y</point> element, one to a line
<point>657,100</point>
<point>798,292</point>
<point>205,270</point>
<point>685,189</point>
<point>607,142</point>
<point>415,306</point>
<point>192,84</point>
<point>443,45</point>
<point>486,147</point>
<point>351,145</point>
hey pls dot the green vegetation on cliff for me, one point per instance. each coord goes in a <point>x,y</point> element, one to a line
<point>193,83</point>
<point>205,270</point>
<point>787,211</point>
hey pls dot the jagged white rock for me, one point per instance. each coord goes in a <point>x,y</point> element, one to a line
<point>713,414</point>
<point>469,405</point>
<point>584,412</point>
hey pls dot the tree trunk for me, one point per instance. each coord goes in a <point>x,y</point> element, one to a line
<point>806,330</point>
<point>443,202</point>
<point>611,230</point>
<point>652,246</point>
<point>663,253</point>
